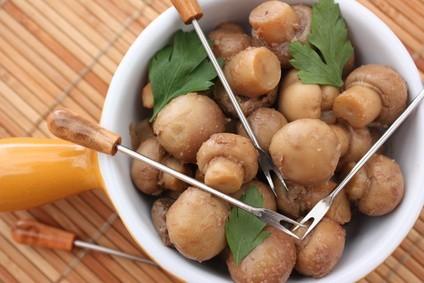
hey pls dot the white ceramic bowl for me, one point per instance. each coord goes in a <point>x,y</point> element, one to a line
<point>370,240</point>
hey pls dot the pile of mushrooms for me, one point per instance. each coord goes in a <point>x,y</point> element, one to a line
<point>315,134</point>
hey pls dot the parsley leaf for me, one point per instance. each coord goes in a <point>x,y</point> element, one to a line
<point>244,231</point>
<point>178,69</point>
<point>322,61</point>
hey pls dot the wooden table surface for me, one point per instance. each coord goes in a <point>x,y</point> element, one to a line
<point>63,53</point>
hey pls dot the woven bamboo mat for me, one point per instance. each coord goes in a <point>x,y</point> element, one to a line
<point>63,53</point>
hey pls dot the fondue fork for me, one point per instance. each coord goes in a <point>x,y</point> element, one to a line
<point>190,12</point>
<point>70,126</point>
<point>321,208</point>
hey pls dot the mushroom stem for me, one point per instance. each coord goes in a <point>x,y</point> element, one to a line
<point>358,105</point>
<point>224,174</point>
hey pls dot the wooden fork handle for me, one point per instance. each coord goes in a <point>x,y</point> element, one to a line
<point>69,126</point>
<point>33,233</point>
<point>188,10</point>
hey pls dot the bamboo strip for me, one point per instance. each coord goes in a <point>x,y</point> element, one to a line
<point>90,227</point>
<point>5,276</point>
<point>401,270</point>
<point>54,258</point>
<point>46,54</point>
<point>408,261</point>
<point>9,124</point>
<point>112,11</point>
<point>412,13</point>
<point>412,28</point>
<point>13,268</point>
<point>43,263</point>
<point>374,277</point>
<point>414,250</point>
<point>388,274</point>
<point>116,239</point>
<point>68,48</point>
<point>407,39</point>
<point>416,5</point>
<point>14,255</point>
<point>3,132</point>
<point>15,115</point>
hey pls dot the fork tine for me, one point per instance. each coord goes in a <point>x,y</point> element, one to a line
<point>285,230</point>
<point>280,178</point>
<point>270,182</point>
<point>311,227</point>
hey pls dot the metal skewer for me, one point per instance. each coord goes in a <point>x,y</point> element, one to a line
<point>321,208</point>
<point>190,11</point>
<point>33,233</point>
<point>67,125</point>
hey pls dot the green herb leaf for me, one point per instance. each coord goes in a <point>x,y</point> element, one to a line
<point>178,69</point>
<point>244,231</point>
<point>322,61</point>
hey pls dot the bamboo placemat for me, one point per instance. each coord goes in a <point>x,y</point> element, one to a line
<point>63,53</point>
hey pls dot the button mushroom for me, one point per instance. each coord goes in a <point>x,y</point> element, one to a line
<point>321,250</point>
<point>373,93</point>
<point>196,224</point>
<point>264,190</point>
<point>276,24</point>
<point>306,151</point>
<point>150,180</point>
<point>247,104</point>
<point>228,39</point>
<point>378,188</point>
<point>139,132</point>
<point>228,161</point>
<point>299,200</point>
<point>147,96</point>
<point>265,122</point>
<point>253,72</point>
<point>159,209</point>
<point>271,261</point>
<point>185,123</point>
<point>298,100</point>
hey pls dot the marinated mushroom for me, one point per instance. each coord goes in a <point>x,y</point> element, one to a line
<point>228,161</point>
<point>147,96</point>
<point>159,209</point>
<point>276,24</point>
<point>253,72</point>
<point>272,261</point>
<point>321,250</point>
<point>378,188</point>
<point>264,190</point>
<point>298,100</point>
<point>344,136</point>
<point>373,93</point>
<point>265,122</point>
<point>228,39</point>
<point>151,181</point>
<point>306,151</point>
<point>185,123</point>
<point>299,200</point>
<point>196,224</point>
<point>360,143</point>
<point>145,177</point>
<point>139,132</point>
<point>247,104</point>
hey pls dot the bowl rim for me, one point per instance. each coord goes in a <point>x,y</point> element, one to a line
<point>368,264</point>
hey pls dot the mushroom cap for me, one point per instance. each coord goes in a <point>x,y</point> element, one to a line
<point>229,39</point>
<point>321,250</point>
<point>247,104</point>
<point>304,14</point>
<point>386,187</point>
<point>306,151</point>
<point>159,209</point>
<point>263,189</point>
<point>391,87</point>
<point>233,147</point>
<point>271,261</point>
<point>265,122</point>
<point>360,143</point>
<point>185,123</point>
<point>196,224</point>
<point>144,176</point>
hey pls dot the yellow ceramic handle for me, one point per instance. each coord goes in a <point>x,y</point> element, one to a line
<point>37,171</point>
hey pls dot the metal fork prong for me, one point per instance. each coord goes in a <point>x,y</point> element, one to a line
<point>280,178</point>
<point>310,228</point>
<point>287,231</point>
<point>269,215</point>
<point>270,182</point>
